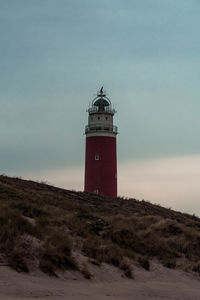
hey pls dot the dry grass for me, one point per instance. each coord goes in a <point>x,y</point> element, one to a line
<point>54,221</point>
<point>144,262</point>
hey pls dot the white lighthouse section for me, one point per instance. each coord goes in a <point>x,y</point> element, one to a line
<point>100,118</point>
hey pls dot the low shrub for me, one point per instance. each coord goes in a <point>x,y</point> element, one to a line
<point>169,263</point>
<point>47,267</point>
<point>144,262</point>
<point>28,209</point>
<point>129,253</point>
<point>86,273</point>
<point>196,268</point>
<point>90,247</point>
<point>127,268</point>
<point>12,224</point>
<point>108,253</point>
<point>61,241</point>
<point>56,254</point>
<point>127,239</point>
<point>18,262</point>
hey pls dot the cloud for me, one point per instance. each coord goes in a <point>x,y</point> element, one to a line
<point>71,178</point>
<point>171,182</point>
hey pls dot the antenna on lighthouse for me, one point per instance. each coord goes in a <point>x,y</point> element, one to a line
<point>101,93</point>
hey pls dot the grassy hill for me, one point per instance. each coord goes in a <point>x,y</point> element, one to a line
<point>45,227</point>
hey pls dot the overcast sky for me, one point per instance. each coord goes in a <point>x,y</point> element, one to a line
<point>56,54</point>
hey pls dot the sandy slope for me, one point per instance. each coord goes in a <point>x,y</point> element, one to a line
<point>107,283</point>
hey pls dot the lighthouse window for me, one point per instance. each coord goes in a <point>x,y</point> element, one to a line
<point>96,157</point>
<point>98,118</point>
<point>106,118</point>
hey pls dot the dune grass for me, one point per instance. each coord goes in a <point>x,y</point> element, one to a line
<point>44,225</point>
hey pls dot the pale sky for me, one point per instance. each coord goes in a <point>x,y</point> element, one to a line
<point>56,54</point>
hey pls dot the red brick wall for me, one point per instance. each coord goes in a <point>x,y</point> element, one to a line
<point>101,174</point>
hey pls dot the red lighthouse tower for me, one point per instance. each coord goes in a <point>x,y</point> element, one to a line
<point>101,157</point>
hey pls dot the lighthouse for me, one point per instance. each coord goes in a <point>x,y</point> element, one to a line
<point>101,154</point>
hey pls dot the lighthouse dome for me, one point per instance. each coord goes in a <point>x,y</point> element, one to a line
<point>102,102</point>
